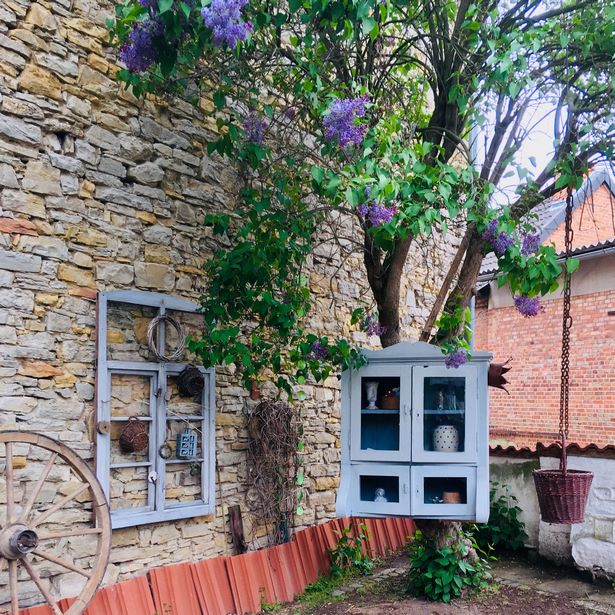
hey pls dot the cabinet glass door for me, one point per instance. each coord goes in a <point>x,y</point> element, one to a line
<point>443,492</point>
<point>380,414</point>
<point>380,489</point>
<point>444,414</point>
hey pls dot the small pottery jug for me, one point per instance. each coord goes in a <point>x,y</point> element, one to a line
<point>446,439</point>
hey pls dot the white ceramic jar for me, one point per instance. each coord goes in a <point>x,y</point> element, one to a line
<point>446,439</point>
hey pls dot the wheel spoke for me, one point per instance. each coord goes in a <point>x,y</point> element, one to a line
<point>13,587</point>
<point>39,583</point>
<point>8,472</point>
<point>59,505</point>
<point>61,562</point>
<point>69,533</point>
<point>37,489</point>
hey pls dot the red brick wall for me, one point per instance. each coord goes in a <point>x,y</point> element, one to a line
<point>531,412</point>
<point>592,222</point>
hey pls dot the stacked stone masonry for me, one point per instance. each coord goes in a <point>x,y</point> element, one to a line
<point>100,191</point>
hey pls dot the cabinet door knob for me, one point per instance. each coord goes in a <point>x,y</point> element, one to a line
<point>404,488</point>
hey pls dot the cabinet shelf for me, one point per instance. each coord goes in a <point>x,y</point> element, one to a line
<point>433,411</point>
<point>379,411</point>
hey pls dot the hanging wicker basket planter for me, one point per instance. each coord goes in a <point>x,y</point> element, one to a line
<point>562,496</point>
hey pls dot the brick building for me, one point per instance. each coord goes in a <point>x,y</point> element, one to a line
<point>530,414</point>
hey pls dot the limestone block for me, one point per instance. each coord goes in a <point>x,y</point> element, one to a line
<point>7,16</point>
<point>157,254</point>
<point>13,45</point>
<point>16,261</point>
<point>40,81</point>
<point>39,16</point>
<point>153,130</point>
<point>49,247</point>
<point>594,554</point>
<point>14,128</point>
<point>115,273</point>
<point>147,173</point>
<point>87,237</point>
<point>81,277</point>
<point>65,67</point>
<point>58,322</point>
<point>66,163</point>
<point>23,404</point>
<point>153,275</point>
<point>83,260</point>
<point>92,81</point>
<point>23,203</point>
<point>112,167</point>
<point>158,234</point>
<point>135,149</point>
<point>8,335</point>
<point>85,391</point>
<point>121,197</point>
<point>84,151</point>
<point>17,299</point>
<point>79,106</point>
<point>23,108</point>
<point>87,27</point>
<point>103,138</point>
<point>42,178</point>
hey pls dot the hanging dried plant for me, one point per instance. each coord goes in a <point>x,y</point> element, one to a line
<point>273,462</point>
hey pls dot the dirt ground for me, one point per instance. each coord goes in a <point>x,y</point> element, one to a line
<point>520,587</point>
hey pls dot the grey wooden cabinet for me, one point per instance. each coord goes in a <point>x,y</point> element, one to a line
<point>415,436</point>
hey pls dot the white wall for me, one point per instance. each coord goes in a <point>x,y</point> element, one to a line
<point>589,545</point>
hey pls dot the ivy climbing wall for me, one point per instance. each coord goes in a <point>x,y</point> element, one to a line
<point>101,191</point>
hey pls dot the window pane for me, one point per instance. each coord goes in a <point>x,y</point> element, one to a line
<point>380,416</point>
<point>130,395</point>
<point>379,488</point>
<point>181,400</point>
<point>445,490</point>
<point>129,487</point>
<point>444,415</point>
<point>183,482</point>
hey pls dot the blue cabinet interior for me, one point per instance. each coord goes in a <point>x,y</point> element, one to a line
<point>369,484</point>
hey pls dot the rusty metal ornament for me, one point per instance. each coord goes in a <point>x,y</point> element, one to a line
<point>495,375</point>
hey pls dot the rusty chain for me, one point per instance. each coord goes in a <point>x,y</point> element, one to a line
<point>566,326</point>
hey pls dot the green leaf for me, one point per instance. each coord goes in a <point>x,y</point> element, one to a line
<point>572,264</point>
<point>164,6</point>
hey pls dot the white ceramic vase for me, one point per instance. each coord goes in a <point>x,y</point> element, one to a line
<point>446,439</point>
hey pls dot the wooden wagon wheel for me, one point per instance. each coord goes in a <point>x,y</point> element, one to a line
<point>32,532</point>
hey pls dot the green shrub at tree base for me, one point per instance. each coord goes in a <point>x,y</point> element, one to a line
<point>448,572</point>
<point>505,531</point>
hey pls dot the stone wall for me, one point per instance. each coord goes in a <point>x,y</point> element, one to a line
<point>100,191</point>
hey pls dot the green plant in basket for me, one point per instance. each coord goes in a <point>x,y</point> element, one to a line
<point>446,572</point>
<point>349,554</point>
<point>505,529</point>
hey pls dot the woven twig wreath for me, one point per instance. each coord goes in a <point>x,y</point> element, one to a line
<point>152,337</point>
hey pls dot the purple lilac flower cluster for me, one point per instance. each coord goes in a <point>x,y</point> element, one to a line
<point>254,128</point>
<point>530,244</point>
<point>318,351</point>
<point>340,121</point>
<point>148,4</point>
<point>377,214</point>
<point>501,241</point>
<point>456,359</point>
<point>139,53</point>
<point>371,325</point>
<point>224,19</point>
<point>528,306</point>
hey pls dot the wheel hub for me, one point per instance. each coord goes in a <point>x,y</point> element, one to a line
<point>17,540</point>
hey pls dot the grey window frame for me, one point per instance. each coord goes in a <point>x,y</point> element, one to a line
<point>157,510</point>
